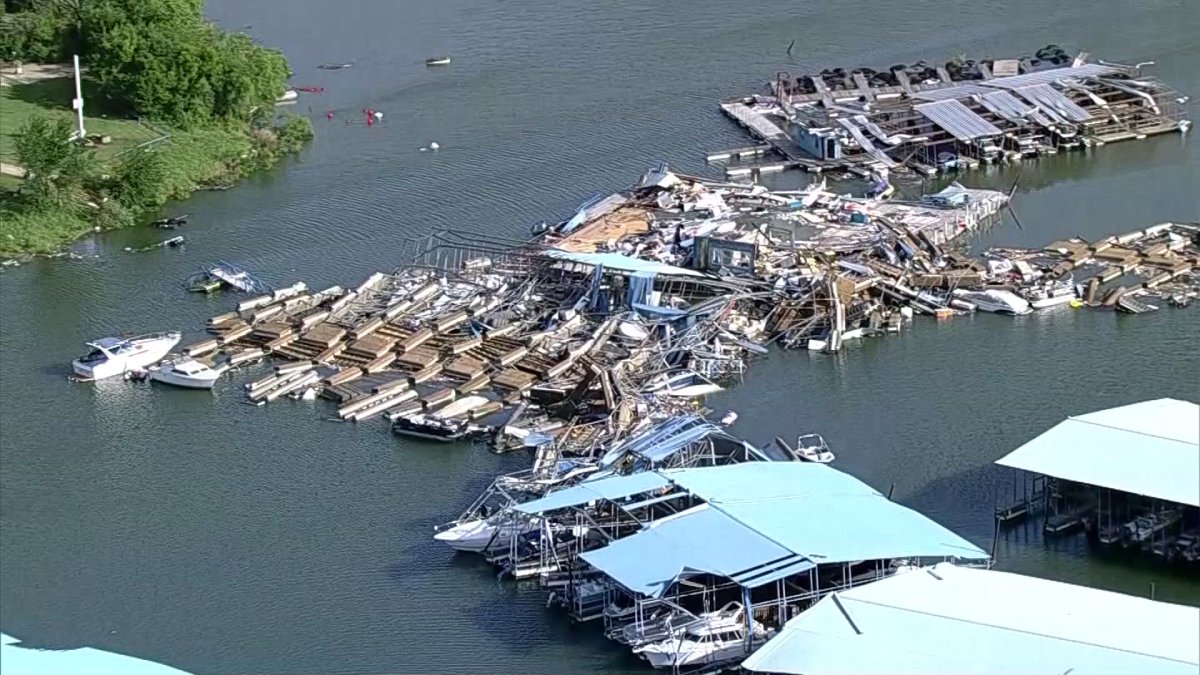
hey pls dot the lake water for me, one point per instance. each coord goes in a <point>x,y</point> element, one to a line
<point>223,538</point>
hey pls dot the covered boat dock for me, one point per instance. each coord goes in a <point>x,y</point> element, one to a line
<point>1129,476</point>
<point>949,619</point>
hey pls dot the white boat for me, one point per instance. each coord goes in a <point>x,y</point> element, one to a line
<point>994,300</point>
<point>812,448</point>
<point>1050,295</point>
<point>114,356</point>
<point>476,536</point>
<point>186,373</point>
<point>713,639</point>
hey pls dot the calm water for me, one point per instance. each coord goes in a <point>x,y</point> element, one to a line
<point>224,538</point>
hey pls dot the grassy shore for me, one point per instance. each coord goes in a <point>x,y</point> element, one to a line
<point>190,159</point>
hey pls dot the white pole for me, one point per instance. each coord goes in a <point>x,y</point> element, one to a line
<point>77,104</point>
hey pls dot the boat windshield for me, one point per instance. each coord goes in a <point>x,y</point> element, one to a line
<point>94,356</point>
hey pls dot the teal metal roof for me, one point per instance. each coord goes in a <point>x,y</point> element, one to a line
<point>950,619</point>
<point>701,540</point>
<point>762,521</point>
<point>1150,448</point>
<point>20,660</point>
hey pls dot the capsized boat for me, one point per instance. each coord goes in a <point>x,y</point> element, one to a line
<point>114,356</point>
<point>186,373</point>
<point>995,300</point>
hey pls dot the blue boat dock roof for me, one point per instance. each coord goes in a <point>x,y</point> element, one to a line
<point>949,619</point>
<point>759,521</point>
<point>17,659</point>
<point>1150,449</point>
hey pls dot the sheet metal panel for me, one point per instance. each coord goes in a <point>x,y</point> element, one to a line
<point>958,119</point>
<point>1049,98</point>
<point>1006,105</point>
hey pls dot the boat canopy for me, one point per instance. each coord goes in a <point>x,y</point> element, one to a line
<point>768,520</point>
<point>108,343</point>
<point>1150,448</point>
<point>949,619</point>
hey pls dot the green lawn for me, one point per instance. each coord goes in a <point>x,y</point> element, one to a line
<point>53,97</point>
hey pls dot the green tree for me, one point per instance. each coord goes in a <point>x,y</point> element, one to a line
<point>140,180</point>
<point>56,165</point>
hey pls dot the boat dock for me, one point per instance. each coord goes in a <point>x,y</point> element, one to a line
<point>949,619</point>
<point>957,116</point>
<point>1084,479</point>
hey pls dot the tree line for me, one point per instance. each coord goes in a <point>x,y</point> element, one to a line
<point>159,59</point>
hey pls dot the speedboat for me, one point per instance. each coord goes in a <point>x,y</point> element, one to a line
<point>476,536</point>
<point>187,373</point>
<point>812,448</point>
<point>995,300</point>
<point>713,639</point>
<point>114,356</point>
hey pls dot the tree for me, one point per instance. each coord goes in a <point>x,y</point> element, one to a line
<point>140,180</point>
<point>56,166</point>
<point>161,59</point>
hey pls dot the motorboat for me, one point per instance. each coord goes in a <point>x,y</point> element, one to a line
<point>812,448</point>
<point>186,373</point>
<point>431,427</point>
<point>114,356</point>
<point>710,640</point>
<point>995,300</point>
<point>478,535</point>
<point>1050,295</point>
<point>438,61</point>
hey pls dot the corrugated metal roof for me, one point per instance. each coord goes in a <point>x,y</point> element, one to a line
<point>960,91</point>
<point>956,620</point>
<point>1049,98</point>
<point>1150,448</point>
<point>1006,105</point>
<point>958,119</point>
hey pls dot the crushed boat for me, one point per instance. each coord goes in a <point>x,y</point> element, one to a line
<point>995,300</point>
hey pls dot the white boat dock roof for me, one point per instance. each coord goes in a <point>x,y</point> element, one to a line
<point>16,659</point>
<point>1150,448</point>
<point>949,619</point>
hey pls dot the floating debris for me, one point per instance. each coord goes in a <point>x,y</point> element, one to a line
<point>170,223</point>
<point>173,242</point>
<point>335,66</point>
<point>222,274</point>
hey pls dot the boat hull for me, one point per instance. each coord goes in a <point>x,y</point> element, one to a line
<point>191,382</point>
<point>144,355</point>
